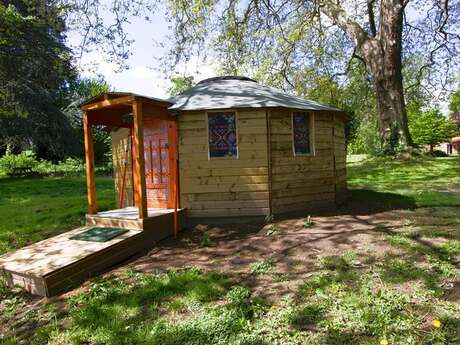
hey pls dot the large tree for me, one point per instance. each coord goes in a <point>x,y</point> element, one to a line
<point>325,34</point>
<point>278,40</point>
<point>35,71</point>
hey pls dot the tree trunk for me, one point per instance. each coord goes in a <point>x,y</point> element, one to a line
<point>382,55</point>
<point>385,69</point>
<point>381,51</point>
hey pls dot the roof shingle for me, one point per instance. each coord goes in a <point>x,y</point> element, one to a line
<point>239,92</point>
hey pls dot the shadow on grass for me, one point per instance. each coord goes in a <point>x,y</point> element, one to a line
<point>355,304</point>
<point>414,243</point>
<point>171,308</point>
<point>370,201</point>
<point>306,317</point>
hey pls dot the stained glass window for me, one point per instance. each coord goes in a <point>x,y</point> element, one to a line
<point>301,133</point>
<point>222,134</point>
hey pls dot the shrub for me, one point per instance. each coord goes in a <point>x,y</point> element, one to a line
<point>69,166</point>
<point>9,162</point>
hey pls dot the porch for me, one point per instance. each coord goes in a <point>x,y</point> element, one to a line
<point>59,263</point>
<point>56,264</point>
<point>151,154</point>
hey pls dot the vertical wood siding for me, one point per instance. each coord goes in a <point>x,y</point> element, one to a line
<point>120,142</point>
<point>340,159</point>
<point>227,186</point>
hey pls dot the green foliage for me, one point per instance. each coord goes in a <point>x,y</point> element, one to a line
<point>273,229</point>
<point>180,84</point>
<point>308,223</point>
<point>120,311</point>
<point>238,295</point>
<point>79,91</point>
<point>354,97</point>
<point>431,127</point>
<point>454,102</point>
<point>368,309</point>
<point>205,240</point>
<point>10,161</point>
<point>67,167</point>
<point>262,267</point>
<point>35,69</point>
<point>337,263</point>
<point>243,304</point>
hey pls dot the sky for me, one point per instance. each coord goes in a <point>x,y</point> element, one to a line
<point>143,75</point>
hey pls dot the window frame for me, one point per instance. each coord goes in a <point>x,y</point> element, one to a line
<point>311,125</point>
<point>236,133</point>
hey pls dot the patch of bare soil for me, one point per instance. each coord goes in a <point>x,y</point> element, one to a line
<point>292,246</point>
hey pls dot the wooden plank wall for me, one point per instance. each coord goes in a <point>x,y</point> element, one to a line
<point>121,141</point>
<point>340,159</point>
<point>302,182</point>
<point>223,187</point>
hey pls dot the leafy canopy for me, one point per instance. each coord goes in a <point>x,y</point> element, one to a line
<point>180,84</point>
<point>35,70</point>
<point>81,90</point>
<point>431,127</point>
<point>454,102</point>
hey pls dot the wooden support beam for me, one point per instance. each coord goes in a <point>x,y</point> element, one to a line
<point>138,136</point>
<point>173,200</point>
<point>108,103</point>
<point>89,159</point>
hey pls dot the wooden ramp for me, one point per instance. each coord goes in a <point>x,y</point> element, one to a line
<point>59,263</point>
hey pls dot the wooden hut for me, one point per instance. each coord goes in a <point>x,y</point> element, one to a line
<point>250,150</point>
<point>227,147</point>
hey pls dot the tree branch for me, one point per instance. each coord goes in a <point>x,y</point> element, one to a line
<point>338,15</point>
<point>370,13</point>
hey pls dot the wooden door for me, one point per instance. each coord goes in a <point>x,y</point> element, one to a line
<point>157,163</point>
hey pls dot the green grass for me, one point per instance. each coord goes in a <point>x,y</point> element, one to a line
<point>35,208</point>
<point>262,267</point>
<point>353,297</point>
<point>420,182</point>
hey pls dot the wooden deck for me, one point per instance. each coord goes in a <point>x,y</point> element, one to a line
<point>49,267</point>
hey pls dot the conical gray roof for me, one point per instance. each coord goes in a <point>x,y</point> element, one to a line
<point>239,92</point>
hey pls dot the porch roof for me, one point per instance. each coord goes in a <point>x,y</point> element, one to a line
<point>114,108</point>
<point>112,98</point>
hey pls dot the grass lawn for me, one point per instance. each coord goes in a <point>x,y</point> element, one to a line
<point>383,269</point>
<point>35,208</point>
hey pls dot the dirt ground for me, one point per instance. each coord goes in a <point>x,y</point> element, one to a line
<point>291,246</point>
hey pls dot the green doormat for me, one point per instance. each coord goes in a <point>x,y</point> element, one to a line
<point>99,234</point>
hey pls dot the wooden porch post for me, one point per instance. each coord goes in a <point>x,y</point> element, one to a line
<point>138,136</point>
<point>173,173</point>
<point>89,159</point>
